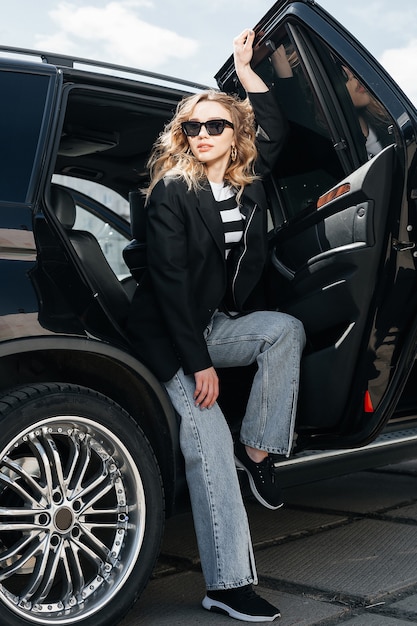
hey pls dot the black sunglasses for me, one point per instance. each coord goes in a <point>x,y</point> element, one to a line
<point>213,127</point>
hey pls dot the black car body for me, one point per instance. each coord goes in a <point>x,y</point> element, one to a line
<point>89,457</point>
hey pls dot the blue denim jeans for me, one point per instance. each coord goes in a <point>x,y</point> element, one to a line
<point>275,342</point>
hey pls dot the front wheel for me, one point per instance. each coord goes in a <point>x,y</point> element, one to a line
<point>81,508</point>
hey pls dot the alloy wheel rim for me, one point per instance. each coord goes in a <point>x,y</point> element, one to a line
<point>72,518</point>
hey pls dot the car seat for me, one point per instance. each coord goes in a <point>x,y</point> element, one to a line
<point>104,282</point>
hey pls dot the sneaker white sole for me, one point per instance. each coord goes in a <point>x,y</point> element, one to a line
<point>210,604</point>
<point>241,467</point>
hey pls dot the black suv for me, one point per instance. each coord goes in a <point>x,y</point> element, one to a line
<point>89,458</point>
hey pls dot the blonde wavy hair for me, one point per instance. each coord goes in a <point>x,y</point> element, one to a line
<point>171,153</point>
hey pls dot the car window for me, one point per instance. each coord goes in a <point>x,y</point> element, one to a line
<point>106,196</point>
<point>307,165</point>
<point>21,123</point>
<point>371,127</point>
<point>364,125</point>
<point>335,124</point>
<point>110,239</point>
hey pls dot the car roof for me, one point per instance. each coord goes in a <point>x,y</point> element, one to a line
<point>113,114</point>
<point>73,66</point>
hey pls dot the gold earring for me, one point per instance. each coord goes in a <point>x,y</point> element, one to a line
<point>233,153</point>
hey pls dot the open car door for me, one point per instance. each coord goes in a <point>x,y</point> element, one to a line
<point>341,257</point>
<point>325,270</point>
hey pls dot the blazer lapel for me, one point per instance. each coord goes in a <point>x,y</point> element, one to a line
<point>211,216</point>
<point>249,201</point>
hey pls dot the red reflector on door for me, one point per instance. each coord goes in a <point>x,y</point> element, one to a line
<point>333,194</point>
<point>367,402</point>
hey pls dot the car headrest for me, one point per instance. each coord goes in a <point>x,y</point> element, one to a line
<point>63,206</point>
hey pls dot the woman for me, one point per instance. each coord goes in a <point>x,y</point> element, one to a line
<point>207,246</point>
<point>372,117</point>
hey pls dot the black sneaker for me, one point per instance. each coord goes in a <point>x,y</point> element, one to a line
<point>262,477</point>
<point>241,603</point>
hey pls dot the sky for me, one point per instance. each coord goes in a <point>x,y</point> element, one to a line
<point>191,39</point>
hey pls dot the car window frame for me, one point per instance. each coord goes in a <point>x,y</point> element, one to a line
<point>317,59</point>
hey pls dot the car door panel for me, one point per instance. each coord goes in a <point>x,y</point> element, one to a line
<point>323,271</point>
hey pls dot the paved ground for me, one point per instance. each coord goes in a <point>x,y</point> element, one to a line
<point>342,551</point>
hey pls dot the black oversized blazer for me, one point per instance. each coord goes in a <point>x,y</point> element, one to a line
<point>187,277</point>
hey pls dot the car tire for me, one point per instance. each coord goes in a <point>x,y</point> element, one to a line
<point>81,507</point>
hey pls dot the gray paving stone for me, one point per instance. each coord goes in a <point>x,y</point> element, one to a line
<point>271,526</point>
<point>176,600</point>
<point>374,620</point>
<point>405,513</point>
<point>365,559</point>
<point>409,605</point>
<point>362,492</point>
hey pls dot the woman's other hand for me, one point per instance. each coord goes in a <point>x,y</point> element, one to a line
<point>206,388</point>
<point>281,64</point>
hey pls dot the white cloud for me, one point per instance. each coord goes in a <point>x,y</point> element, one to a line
<point>385,17</point>
<point>401,63</point>
<point>114,33</point>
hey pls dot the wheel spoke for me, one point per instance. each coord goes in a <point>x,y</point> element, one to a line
<point>111,511</point>
<point>15,551</point>
<point>19,489</point>
<point>98,495</point>
<point>17,470</point>
<point>74,449</point>
<point>48,565</point>
<point>54,462</point>
<point>98,547</point>
<point>23,560</point>
<point>24,527</point>
<point>41,455</point>
<point>87,552</point>
<point>73,569</point>
<point>81,468</point>
<point>25,520</point>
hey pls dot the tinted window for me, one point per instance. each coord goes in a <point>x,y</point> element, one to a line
<point>307,165</point>
<point>22,107</point>
<point>370,128</point>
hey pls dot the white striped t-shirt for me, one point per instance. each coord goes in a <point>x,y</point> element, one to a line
<point>229,212</point>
